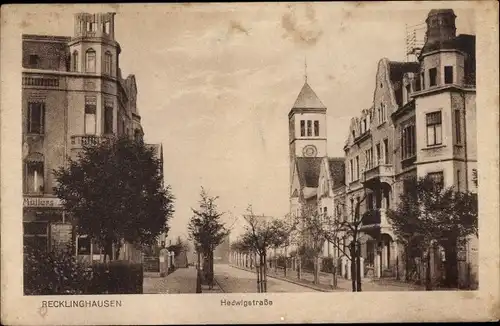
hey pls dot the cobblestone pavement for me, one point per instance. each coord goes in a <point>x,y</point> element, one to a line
<point>234,280</point>
<point>183,280</point>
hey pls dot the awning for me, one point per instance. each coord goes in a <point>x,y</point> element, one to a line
<point>34,157</point>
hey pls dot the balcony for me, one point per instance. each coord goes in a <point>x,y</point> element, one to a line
<point>380,173</point>
<point>81,141</point>
<point>375,221</point>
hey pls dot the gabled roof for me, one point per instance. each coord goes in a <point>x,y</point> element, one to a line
<point>308,170</point>
<point>336,166</point>
<point>307,99</point>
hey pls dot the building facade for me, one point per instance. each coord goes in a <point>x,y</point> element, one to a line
<point>73,94</point>
<point>421,122</point>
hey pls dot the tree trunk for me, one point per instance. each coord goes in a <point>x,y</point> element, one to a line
<point>264,258</point>
<point>353,267</point>
<point>259,278</point>
<point>334,272</point>
<point>358,269</point>
<point>316,270</point>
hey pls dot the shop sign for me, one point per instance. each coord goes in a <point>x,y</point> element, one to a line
<point>40,202</point>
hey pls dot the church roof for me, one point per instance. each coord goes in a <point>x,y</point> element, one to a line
<point>308,171</point>
<point>307,99</point>
<point>337,171</point>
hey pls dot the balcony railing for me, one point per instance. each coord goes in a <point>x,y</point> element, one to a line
<point>375,218</point>
<point>381,170</point>
<point>80,141</point>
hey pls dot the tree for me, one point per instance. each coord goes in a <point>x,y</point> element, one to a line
<point>347,225</point>
<point>312,228</point>
<point>429,214</point>
<point>114,191</point>
<point>262,233</point>
<point>207,231</point>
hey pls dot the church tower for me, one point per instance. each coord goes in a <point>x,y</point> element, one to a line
<point>307,126</point>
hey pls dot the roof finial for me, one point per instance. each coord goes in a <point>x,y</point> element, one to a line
<point>305,68</point>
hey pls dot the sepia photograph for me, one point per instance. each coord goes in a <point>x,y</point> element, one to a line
<point>246,149</point>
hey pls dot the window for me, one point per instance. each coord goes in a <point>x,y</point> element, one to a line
<point>36,117</point>
<point>437,178</point>
<point>458,180</point>
<point>352,207</point>
<point>105,27</point>
<point>325,211</point>
<point>351,170</point>
<point>108,120</point>
<point>309,128</point>
<point>357,208</point>
<point>448,74</point>
<point>408,91</point>
<point>35,235</point>
<point>378,153</point>
<point>434,128</point>
<point>90,116</point>
<point>458,127</point>
<point>90,61</point>
<point>34,60</point>
<point>34,179</point>
<point>369,201</point>
<point>107,63</point>
<point>353,134</point>
<point>357,167</point>
<point>91,27</point>
<point>386,151</point>
<point>302,128</point>
<point>432,76</point>
<point>381,113</point>
<point>369,158</point>
<point>74,61</point>
<point>316,128</point>
<point>408,142</point>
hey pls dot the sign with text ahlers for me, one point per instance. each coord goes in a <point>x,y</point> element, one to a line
<point>41,202</point>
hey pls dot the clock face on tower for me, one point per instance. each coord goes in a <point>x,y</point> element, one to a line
<point>310,151</point>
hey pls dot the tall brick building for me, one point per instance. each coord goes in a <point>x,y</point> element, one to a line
<point>73,93</point>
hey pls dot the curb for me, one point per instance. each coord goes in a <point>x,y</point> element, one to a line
<point>289,281</point>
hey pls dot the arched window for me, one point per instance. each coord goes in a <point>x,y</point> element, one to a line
<point>74,61</point>
<point>107,62</point>
<point>90,60</point>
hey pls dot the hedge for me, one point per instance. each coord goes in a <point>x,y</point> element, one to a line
<point>58,272</point>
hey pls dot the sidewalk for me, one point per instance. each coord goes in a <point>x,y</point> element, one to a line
<point>343,285</point>
<point>182,280</point>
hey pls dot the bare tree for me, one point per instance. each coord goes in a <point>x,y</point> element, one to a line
<point>262,233</point>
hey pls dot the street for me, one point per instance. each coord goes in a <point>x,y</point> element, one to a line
<point>182,280</point>
<point>234,280</point>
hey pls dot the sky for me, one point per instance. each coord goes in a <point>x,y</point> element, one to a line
<point>216,82</point>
